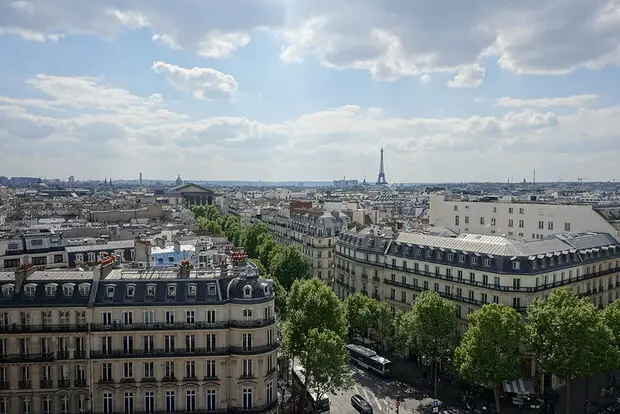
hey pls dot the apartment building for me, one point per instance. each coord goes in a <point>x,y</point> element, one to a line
<point>39,247</point>
<point>138,340</point>
<point>473,270</point>
<point>313,232</point>
<point>520,219</point>
<point>360,261</point>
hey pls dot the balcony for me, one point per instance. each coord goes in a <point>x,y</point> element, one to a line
<point>149,379</point>
<point>247,376</point>
<point>127,381</point>
<point>159,353</point>
<point>4,385</point>
<point>37,329</point>
<point>81,354</point>
<point>24,385</point>
<point>46,383</point>
<point>106,381</point>
<point>62,355</point>
<point>8,358</point>
<point>159,326</point>
<point>64,383</point>
<point>254,350</point>
<point>210,378</point>
<point>169,378</point>
<point>255,323</point>
<point>80,382</point>
<point>255,410</point>
<point>364,276</point>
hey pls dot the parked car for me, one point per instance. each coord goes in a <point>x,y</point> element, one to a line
<point>360,404</point>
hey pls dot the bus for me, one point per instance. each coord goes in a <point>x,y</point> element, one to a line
<point>368,359</point>
<point>321,406</point>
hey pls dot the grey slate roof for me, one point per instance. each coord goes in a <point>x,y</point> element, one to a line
<point>113,245</point>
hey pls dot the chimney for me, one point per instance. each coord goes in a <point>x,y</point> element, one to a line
<point>177,247</point>
<point>185,268</point>
<point>22,273</point>
<point>160,242</point>
<point>105,267</point>
<point>143,251</point>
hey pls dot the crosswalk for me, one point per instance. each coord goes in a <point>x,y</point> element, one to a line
<point>381,406</point>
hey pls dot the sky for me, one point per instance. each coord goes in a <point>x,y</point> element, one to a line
<point>482,90</point>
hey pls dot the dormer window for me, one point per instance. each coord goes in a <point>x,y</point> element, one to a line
<point>150,291</point>
<point>462,258</point>
<point>211,290</point>
<point>450,256</point>
<point>109,292</point>
<point>8,290</point>
<point>516,265</point>
<point>266,290</point>
<point>131,291</point>
<point>487,262</point>
<point>247,292</point>
<point>474,260</point>
<point>30,290</point>
<point>50,290</point>
<point>191,290</point>
<point>67,290</point>
<point>84,289</point>
<point>172,291</point>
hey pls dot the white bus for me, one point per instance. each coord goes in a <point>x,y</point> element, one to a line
<point>321,406</point>
<point>368,359</point>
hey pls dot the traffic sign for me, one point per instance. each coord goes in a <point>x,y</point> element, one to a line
<point>398,403</point>
<point>435,403</point>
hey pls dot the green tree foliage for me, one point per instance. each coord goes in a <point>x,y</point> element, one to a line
<point>281,295</point>
<point>382,320</point>
<point>611,316</point>
<point>569,336</point>
<point>252,234</point>
<point>266,244</point>
<point>325,363</point>
<point>212,227</point>
<point>315,332</point>
<point>359,313</point>
<point>288,265</point>
<point>430,329</point>
<point>311,304</point>
<point>489,350</point>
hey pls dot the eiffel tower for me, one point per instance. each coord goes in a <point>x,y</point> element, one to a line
<point>381,177</point>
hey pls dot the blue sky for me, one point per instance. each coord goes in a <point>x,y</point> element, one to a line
<point>264,90</point>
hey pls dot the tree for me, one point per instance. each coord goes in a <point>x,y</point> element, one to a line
<point>430,330</point>
<point>281,295</point>
<point>313,309</point>
<point>359,313</point>
<point>489,351</point>
<point>569,337</point>
<point>325,363</point>
<point>252,235</point>
<point>382,320</point>
<point>288,265</point>
<point>611,316</point>
<point>210,226</point>
<point>266,244</point>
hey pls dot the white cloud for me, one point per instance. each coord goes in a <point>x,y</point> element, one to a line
<point>202,83</point>
<point>468,77</point>
<point>195,25</point>
<point>568,101</point>
<point>426,79</point>
<point>406,38</point>
<point>91,129</point>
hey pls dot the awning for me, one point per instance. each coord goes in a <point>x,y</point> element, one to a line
<point>520,386</point>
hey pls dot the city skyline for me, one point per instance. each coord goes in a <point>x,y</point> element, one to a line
<point>310,91</point>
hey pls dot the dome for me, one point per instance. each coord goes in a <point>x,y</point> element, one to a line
<point>179,181</point>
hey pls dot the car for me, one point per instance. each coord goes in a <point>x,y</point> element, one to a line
<point>361,405</point>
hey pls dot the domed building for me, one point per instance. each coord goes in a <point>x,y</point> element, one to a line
<point>179,181</point>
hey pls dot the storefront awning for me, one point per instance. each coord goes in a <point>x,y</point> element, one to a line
<point>520,386</point>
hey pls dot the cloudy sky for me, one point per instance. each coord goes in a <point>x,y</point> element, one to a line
<point>482,90</point>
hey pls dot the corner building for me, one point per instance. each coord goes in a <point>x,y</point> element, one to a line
<point>138,341</point>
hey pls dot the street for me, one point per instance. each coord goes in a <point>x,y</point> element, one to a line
<point>380,392</point>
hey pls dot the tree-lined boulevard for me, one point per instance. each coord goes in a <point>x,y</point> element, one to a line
<point>566,335</point>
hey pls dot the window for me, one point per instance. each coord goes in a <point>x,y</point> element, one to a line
<point>247,399</point>
<point>516,303</point>
<point>247,292</point>
<point>131,292</point>
<point>456,220</point>
<point>247,341</point>
<point>170,402</point>
<point>79,257</point>
<point>25,404</point>
<point>211,290</point>
<point>550,225</point>
<point>149,402</point>
<point>269,392</point>
<point>456,208</point>
<point>106,318</point>
<point>47,405</point>
<point>190,401</point>
<point>466,219</point>
<point>210,342</point>
<point>566,226</point>
<point>474,260</point>
<point>516,265</point>
<point>169,343</point>
<point>510,222</point>
<point>190,343</point>
<point>107,403</point>
<point>169,369</point>
<point>84,289</point>
<point>210,316</point>
<point>127,370</point>
<point>172,291</point>
<point>109,292</point>
<point>190,316</point>
<point>191,291</point>
<point>211,369</point>
<point>510,210</point>
<point>30,290</point>
<point>482,221</point>
<point>50,290</point>
<point>150,291</point>
<point>190,369</point>
<point>169,317</point>
<point>128,403</point>
<point>149,317</point>
<point>541,224</point>
<point>211,401</point>
<point>127,317</point>
<point>487,262</point>
<point>149,370</point>
<point>247,368</point>
<point>521,223</point>
<point>58,258</point>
